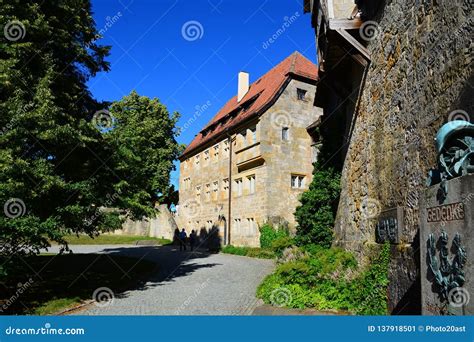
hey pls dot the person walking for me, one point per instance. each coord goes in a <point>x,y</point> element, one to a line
<point>182,240</point>
<point>192,239</point>
<point>176,237</point>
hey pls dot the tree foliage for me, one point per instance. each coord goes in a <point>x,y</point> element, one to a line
<point>315,216</point>
<point>144,148</point>
<point>56,168</point>
<point>49,158</point>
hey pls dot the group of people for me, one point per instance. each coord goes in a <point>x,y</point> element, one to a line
<point>181,238</point>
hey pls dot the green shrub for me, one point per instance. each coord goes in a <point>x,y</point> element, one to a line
<point>234,250</point>
<point>315,216</point>
<point>327,261</point>
<point>260,253</point>
<point>320,280</point>
<point>281,243</point>
<point>249,251</point>
<point>268,234</point>
<point>371,287</point>
<point>296,272</point>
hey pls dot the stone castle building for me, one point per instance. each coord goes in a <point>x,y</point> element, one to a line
<point>392,73</point>
<point>250,163</point>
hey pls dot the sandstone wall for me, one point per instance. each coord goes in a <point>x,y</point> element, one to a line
<point>420,77</point>
<point>292,157</point>
<point>420,73</point>
<point>162,226</point>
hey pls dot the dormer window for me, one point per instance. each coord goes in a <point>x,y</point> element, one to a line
<point>301,94</point>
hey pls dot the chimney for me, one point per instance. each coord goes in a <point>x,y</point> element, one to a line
<point>243,86</point>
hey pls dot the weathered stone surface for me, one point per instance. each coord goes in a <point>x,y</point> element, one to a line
<point>162,226</point>
<point>421,71</point>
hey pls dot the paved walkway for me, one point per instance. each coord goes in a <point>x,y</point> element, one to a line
<point>185,283</point>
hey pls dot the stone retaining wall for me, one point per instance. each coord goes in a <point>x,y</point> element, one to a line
<point>420,77</point>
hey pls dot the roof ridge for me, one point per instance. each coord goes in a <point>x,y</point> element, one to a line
<point>264,89</point>
<point>293,62</point>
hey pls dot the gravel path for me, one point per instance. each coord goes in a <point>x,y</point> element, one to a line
<point>185,283</point>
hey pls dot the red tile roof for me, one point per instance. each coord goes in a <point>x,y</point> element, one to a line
<point>260,94</point>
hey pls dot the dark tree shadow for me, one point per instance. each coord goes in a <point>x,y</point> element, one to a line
<point>34,281</point>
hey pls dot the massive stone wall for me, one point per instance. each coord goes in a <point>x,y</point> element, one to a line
<point>420,77</point>
<point>420,70</point>
<point>162,226</point>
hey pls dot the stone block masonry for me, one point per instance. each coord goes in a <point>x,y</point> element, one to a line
<point>421,74</point>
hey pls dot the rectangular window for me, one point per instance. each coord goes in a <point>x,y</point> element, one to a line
<point>300,182</point>
<point>237,225</point>
<point>251,226</point>
<point>197,159</point>
<point>215,189</point>
<point>253,133</point>
<point>244,138</point>
<point>226,148</point>
<point>187,183</point>
<point>216,152</point>
<point>285,134</point>
<point>251,180</point>
<point>206,157</point>
<point>198,192</point>
<point>208,192</point>
<point>297,181</point>
<point>225,186</point>
<point>301,94</point>
<point>238,187</point>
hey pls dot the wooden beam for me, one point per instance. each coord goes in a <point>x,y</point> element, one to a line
<point>345,24</point>
<point>355,43</point>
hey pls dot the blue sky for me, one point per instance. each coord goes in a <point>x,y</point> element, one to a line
<point>187,53</point>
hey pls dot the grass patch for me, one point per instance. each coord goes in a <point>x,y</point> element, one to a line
<point>253,252</point>
<point>46,284</point>
<point>56,305</point>
<point>107,239</point>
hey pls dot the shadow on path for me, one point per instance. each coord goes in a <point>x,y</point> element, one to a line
<point>36,281</point>
<point>170,262</point>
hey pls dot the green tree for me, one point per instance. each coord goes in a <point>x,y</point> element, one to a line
<point>315,216</point>
<point>53,175</point>
<point>144,147</point>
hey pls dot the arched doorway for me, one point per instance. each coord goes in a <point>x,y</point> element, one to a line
<point>222,226</point>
